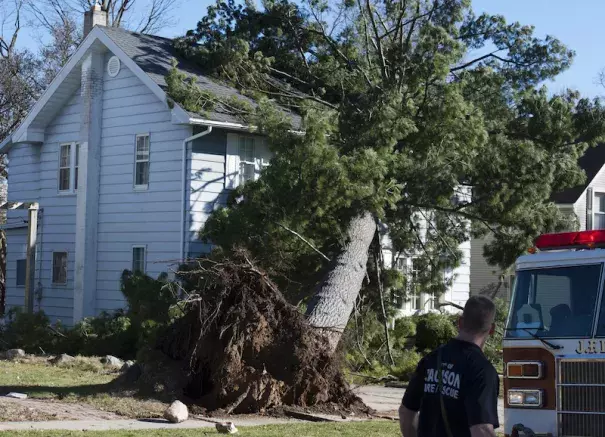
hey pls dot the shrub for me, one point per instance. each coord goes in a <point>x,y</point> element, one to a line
<point>433,330</point>
<point>403,331</point>
<point>406,362</point>
<point>31,332</point>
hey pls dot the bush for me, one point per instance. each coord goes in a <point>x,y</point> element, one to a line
<point>433,330</point>
<point>31,332</point>
<point>403,332</point>
<point>151,305</point>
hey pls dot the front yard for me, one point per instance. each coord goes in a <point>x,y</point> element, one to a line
<point>84,381</point>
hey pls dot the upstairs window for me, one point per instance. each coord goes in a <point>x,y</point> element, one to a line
<point>247,155</point>
<point>599,211</point>
<point>69,156</point>
<point>141,162</point>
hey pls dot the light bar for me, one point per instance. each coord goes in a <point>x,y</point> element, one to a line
<point>588,239</point>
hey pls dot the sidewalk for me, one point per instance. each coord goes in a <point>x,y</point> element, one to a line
<point>107,425</point>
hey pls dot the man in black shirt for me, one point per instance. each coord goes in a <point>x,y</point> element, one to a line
<point>454,392</point>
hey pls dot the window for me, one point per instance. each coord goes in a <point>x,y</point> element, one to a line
<point>414,286</point>
<point>138,259</point>
<point>21,263</point>
<point>69,156</point>
<point>141,162</point>
<point>247,165</point>
<point>554,302</point>
<point>599,211</point>
<point>76,166</point>
<point>59,267</point>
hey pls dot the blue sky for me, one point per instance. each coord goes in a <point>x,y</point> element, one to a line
<point>580,26</point>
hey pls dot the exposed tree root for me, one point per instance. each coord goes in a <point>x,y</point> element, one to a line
<point>247,349</point>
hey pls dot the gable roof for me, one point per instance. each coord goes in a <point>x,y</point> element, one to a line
<point>154,55</point>
<point>591,162</point>
<point>150,59</point>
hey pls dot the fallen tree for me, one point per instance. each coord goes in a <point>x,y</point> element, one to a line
<point>246,349</point>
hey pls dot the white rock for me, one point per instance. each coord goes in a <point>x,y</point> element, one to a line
<point>16,395</point>
<point>127,365</point>
<point>11,354</point>
<point>177,412</point>
<point>60,359</point>
<point>226,428</point>
<point>110,360</point>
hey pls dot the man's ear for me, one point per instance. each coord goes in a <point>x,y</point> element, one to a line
<point>492,330</point>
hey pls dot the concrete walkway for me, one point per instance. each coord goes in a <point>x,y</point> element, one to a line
<point>109,425</point>
<point>387,399</point>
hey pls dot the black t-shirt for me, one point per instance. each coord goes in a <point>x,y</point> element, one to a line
<point>470,391</point>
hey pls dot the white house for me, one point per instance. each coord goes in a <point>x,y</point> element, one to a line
<point>123,180</point>
<point>585,202</point>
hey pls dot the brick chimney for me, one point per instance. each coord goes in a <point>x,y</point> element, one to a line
<point>95,17</point>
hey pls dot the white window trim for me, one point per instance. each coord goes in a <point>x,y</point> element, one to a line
<point>72,169</point>
<point>233,161</point>
<point>139,246</point>
<point>141,187</point>
<point>52,269</point>
<point>595,205</point>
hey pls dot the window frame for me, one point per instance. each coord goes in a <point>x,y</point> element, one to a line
<point>595,209</point>
<point>72,188</point>
<point>139,246</point>
<point>243,162</point>
<point>233,163</point>
<point>52,275</point>
<point>141,187</point>
<point>24,260</point>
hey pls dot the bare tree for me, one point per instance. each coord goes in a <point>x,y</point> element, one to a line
<point>145,16</point>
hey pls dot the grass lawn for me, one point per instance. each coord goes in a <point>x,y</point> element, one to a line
<point>366,429</point>
<point>85,381</point>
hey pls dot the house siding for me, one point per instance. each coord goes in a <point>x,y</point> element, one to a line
<point>598,187</point>
<point>128,217</point>
<point>206,187</point>
<point>33,175</point>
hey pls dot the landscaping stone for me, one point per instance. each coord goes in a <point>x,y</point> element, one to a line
<point>127,365</point>
<point>177,412</point>
<point>11,354</point>
<point>110,360</point>
<point>16,395</point>
<point>61,359</point>
<point>226,428</point>
<point>133,374</point>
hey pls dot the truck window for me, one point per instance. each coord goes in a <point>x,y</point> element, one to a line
<point>554,302</point>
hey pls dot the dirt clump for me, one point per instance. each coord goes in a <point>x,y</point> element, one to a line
<point>247,350</point>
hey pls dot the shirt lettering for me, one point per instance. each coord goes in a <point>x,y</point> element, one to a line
<point>450,382</point>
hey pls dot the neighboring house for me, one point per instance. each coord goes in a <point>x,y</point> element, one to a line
<point>123,180</point>
<point>586,203</point>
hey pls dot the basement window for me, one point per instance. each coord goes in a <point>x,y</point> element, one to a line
<point>60,268</point>
<point>138,259</point>
<point>21,263</point>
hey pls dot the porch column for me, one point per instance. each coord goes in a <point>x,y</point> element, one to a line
<point>85,283</point>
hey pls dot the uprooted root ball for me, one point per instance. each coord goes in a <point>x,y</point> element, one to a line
<point>248,349</point>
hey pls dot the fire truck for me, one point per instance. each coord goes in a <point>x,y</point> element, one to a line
<point>554,341</point>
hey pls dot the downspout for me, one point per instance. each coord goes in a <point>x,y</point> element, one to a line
<point>184,187</point>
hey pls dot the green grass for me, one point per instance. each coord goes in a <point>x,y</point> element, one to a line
<point>85,380</point>
<point>366,429</point>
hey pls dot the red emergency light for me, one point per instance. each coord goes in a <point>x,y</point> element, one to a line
<point>587,239</point>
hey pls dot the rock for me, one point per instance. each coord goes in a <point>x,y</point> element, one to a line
<point>61,359</point>
<point>127,365</point>
<point>177,412</point>
<point>16,395</point>
<point>110,360</point>
<point>226,428</point>
<point>11,354</point>
<point>133,374</point>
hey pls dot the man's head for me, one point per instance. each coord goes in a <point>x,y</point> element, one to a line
<point>478,317</point>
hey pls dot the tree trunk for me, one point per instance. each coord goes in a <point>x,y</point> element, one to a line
<point>331,306</point>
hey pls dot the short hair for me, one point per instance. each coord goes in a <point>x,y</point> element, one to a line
<point>478,315</point>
